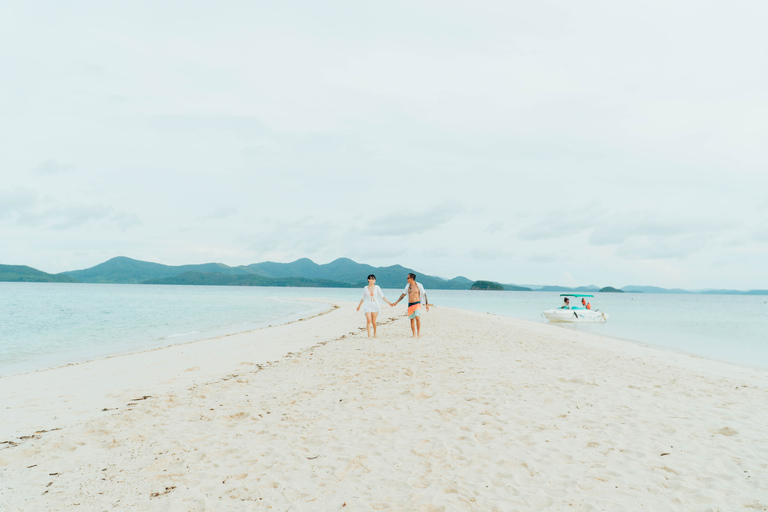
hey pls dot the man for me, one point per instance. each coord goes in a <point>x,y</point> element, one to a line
<point>416,297</point>
<point>566,303</point>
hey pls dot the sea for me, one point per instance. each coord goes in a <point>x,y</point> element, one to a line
<point>44,325</point>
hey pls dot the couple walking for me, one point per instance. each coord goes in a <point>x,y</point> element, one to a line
<point>416,297</point>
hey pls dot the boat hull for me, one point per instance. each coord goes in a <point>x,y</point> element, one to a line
<point>575,315</point>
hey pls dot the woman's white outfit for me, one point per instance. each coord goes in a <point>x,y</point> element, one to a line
<point>371,299</point>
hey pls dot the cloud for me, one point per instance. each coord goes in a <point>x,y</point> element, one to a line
<point>486,254</point>
<point>419,221</point>
<point>16,202</point>
<point>635,234</point>
<point>635,224</point>
<point>51,167</point>
<point>220,213</point>
<point>76,216</point>
<point>282,239</point>
<point>759,234</point>
<point>123,220</point>
<point>544,257</point>
<point>62,217</point>
<point>648,247</point>
<point>23,206</point>
<point>639,235</point>
<point>561,223</point>
<point>495,227</point>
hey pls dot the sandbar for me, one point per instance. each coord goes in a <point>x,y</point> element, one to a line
<point>481,413</point>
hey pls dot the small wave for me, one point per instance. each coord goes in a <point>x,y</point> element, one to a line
<point>179,335</point>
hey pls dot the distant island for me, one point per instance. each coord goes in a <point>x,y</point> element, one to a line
<point>25,274</point>
<point>486,285</point>
<point>340,273</point>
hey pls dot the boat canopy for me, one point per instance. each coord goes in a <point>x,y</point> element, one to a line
<point>575,295</point>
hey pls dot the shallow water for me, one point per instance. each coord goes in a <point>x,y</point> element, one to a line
<point>50,324</point>
<point>732,328</point>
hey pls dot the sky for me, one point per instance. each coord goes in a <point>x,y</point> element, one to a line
<point>552,142</point>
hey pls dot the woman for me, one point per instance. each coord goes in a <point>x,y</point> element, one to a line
<point>371,296</point>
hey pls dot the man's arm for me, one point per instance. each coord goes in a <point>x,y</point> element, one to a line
<point>398,300</point>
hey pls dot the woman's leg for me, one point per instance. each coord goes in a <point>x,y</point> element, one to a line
<point>368,322</point>
<point>373,320</point>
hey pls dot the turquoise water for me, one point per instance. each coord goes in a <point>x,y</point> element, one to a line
<point>731,328</point>
<point>50,324</point>
<point>46,324</point>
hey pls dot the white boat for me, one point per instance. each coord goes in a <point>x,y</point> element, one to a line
<point>575,313</point>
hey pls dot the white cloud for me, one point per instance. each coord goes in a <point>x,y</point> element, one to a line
<point>419,220</point>
<point>51,167</point>
<point>15,202</point>
<point>387,132</point>
<point>283,239</point>
<point>220,213</point>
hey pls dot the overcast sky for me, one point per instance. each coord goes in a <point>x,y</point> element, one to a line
<point>552,142</point>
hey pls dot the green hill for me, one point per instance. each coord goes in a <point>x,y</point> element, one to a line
<point>23,273</point>
<point>486,285</point>
<point>610,289</point>
<point>218,279</point>
<point>515,288</point>
<point>126,270</point>
<point>348,271</point>
<point>341,272</point>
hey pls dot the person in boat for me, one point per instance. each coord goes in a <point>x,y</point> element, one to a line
<point>372,294</point>
<point>566,303</point>
<point>586,304</point>
<point>416,297</point>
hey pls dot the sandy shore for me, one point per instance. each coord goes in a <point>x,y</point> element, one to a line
<point>482,413</point>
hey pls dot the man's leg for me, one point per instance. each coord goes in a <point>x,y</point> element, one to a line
<point>418,326</point>
<point>413,327</point>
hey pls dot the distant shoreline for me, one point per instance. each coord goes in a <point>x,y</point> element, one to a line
<point>340,273</point>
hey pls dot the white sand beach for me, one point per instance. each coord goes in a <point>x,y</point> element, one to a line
<point>481,413</point>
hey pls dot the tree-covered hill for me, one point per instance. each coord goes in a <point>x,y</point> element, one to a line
<point>25,274</point>
<point>515,288</point>
<point>126,270</point>
<point>346,270</point>
<point>486,285</point>
<point>218,279</point>
<point>343,271</point>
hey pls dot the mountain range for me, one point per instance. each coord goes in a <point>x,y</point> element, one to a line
<point>340,273</point>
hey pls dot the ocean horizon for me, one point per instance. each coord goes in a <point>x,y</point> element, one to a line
<point>44,325</point>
